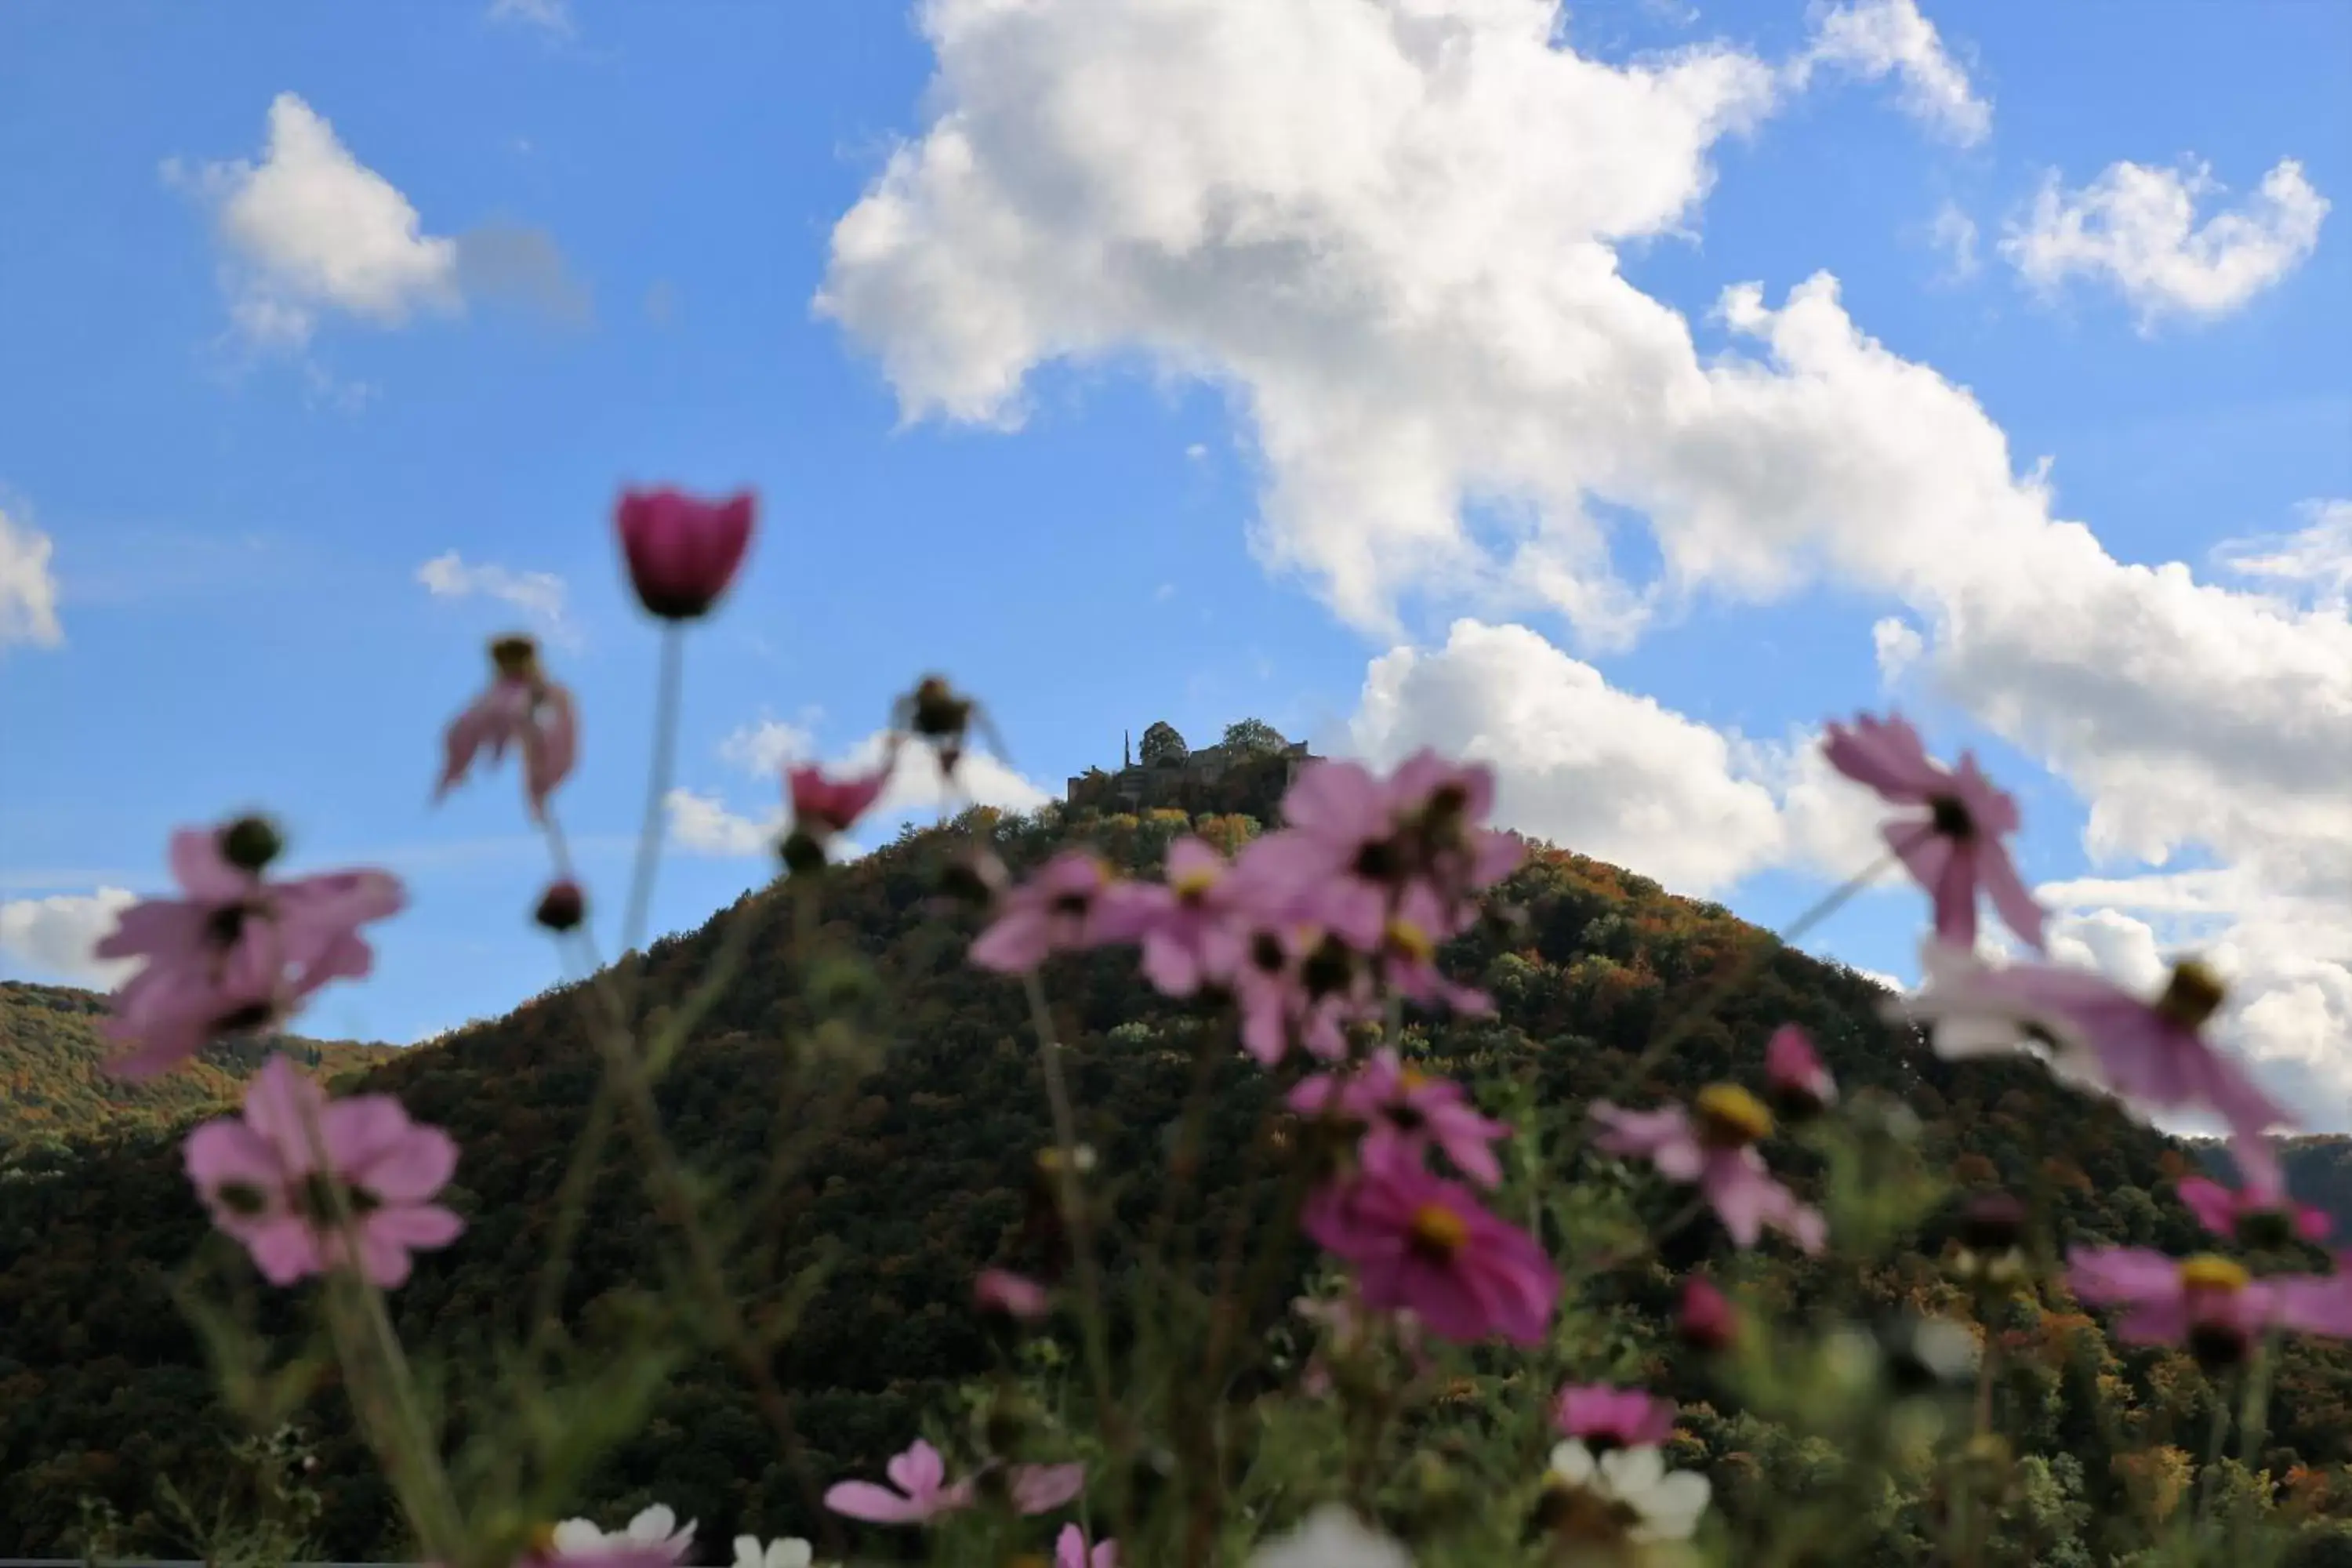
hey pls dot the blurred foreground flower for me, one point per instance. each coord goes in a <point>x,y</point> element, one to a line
<point>2247,1213</point>
<point>1071,1551</point>
<point>1423,1244</point>
<point>652,1539</point>
<point>786,1551</point>
<point>1717,1151</point>
<point>521,708</point>
<point>1404,1108</point>
<point>682,550</point>
<point>2209,1304</point>
<point>1332,1538</point>
<point>266,1178</point>
<point>239,952</point>
<point>1602,1417</point>
<point>1624,1496</point>
<point>920,1477</point>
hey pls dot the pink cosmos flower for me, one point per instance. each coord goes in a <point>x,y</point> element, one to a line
<point>1408,952</point>
<point>239,952</point>
<point>1716,1152</point>
<point>1014,1295</point>
<point>1626,1418</point>
<point>1955,845</point>
<point>920,1476</point>
<point>2225,1212</point>
<point>1423,1244</point>
<point>1056,910</point>
<point>653,1540</point>
<point>822,805</point>
<point>266,1178</point>
<point>1042,1489</point>
<point>1794,1070</point>
<point>682,550</point>
<point>522,708</point>
<point>1071,1551</point>
<point>1291,987</point>
<point>1194,927</point>
<point>1706,1321</point>
<point>2153,1052</point>
<point>1403,1106</point>
<point>1443,806</point>
<point>2208,1302</point>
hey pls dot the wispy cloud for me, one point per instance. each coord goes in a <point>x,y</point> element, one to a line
<point>28,587</point>
<point>538,595</point>
<point>1874,38</point>
<point>550,15</point>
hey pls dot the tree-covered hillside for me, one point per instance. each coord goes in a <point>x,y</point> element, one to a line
<point>910,1169</point>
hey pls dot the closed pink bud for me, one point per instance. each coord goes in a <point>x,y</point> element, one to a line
<point>1707,1320</point>
<point>683,551</point>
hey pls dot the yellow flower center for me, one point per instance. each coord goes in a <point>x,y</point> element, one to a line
<point>1413,1078</point>
<point>542,1539</point>
<point>1438,1230</point>
<point>2208,1272</point>
<point>1195,883</point>
<point>1410,939</point>
<point>2194,995</point>
<point>1731,1118</point>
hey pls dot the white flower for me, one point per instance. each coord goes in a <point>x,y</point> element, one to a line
<point>786,1551</point>
<point>1668,1502</point>
<point>1331,1538</point>
<point>655,1529</point>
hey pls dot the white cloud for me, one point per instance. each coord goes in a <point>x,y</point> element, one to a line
<point>55,935</point>
<point>28,587</point>
<point>1874,38</point>
<point>702,825</point>
<point>1331,212</point>
<point>2134,228</point>
<point>554,15</point>
<point>763,750</point>
<point>1954,233</point>
<point>2316,560</point>
<point>1897,642</point>
<point>538,595</point>
<point>309,230</point>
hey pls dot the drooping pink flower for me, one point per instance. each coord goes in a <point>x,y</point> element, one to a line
<point>1955,847</point>
<point>1071,1551</point>
<point>1056,910</point>
<point>1794,1070</point>
<point>1014,1295</point>
<point>1194,927</point>
<point>1042,1489</point>
<point>2209,1303</point>
<point>920,1478</point>
<point>269,1178</point>
<point>2225,1212</point>
<point>682,550</point>
<point>239,952</point>
<point>1706,1321</point>
<point>2153,1053</point>
<point>823,806</point>
<point>521,708</point>
<point>1717,1151</point>
<point>1625,1417</point>
<point>1401,1105</point>
<point>1422,1244</point>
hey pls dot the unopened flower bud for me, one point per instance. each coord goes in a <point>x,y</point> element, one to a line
<point>562,907</point>
<point>972,880</point>
<point>1994,1222</point>
<point>682,550</point>
<point>250,843</point>
<point>802,855</point>
<point>1707,1322</point>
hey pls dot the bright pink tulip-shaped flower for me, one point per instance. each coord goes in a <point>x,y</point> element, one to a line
<point>1423,1245</point>
<point>1403,1106</point>
<point>682,550</point>
<point>521,708</point>
<point>823,806</point>
<point>1955,847</point>
<point>1625,1417</point>
<point>1717,1151</point>
<point>239,952</point>
<point>268,1177</point>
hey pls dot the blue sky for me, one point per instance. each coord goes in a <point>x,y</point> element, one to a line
<point>1106,460</point>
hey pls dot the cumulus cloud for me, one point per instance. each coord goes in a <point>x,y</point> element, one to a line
<point>311,230</point>
<point>703,823</point>
<point>538,595</point>
<point>53,935</point>
<point>1876,39</point>
<point>2135,229</point>
<point>2314,561</point>
<point>1331,212</point>
<point>28,587</point>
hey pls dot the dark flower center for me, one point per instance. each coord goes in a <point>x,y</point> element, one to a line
<point>1072,905</point>
<point>1265,953</point>
<point>515,658</point>
<point>252,1015</point>
<point>315,1199</point>
<point>1329,968</point>
<point>242,1199</point>
<point>250,843</point>
<point>1437,1233</point>
<point>2217,1345</point>
<point>1585,1517</point>
<point>227,924</point>
<point>2193,995</point>
<point>1950,817</point>
<point>1407,1118</point>
<point>1379,862</point>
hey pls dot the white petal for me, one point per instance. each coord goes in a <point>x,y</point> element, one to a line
<point>1627,1473</point>
<point>1572,1462</point>
<point>791,1552</point>
<point>577,1535</point>
<point>747,1551</point>
<point>1671,1509</point>
<point>652,1527</point>
<point>1331,1538</point>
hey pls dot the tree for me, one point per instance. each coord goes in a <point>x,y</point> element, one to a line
<point>1253,735</point>
<point>1162,746</point>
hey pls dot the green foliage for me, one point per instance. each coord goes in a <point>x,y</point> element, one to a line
<point>1252,736</point>
<point>1161,746</point>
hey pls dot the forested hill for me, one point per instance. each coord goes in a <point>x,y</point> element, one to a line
<point>910,1164</point>
<point>54,1084</point>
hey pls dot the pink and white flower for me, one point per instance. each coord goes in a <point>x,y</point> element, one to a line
<point>1601,1415</point>
<point>268,1178</point>
<point>239,952</point>
<point>1954,846</point>
<point>652,1539</point>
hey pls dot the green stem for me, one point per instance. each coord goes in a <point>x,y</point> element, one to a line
<point>666,702</point>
